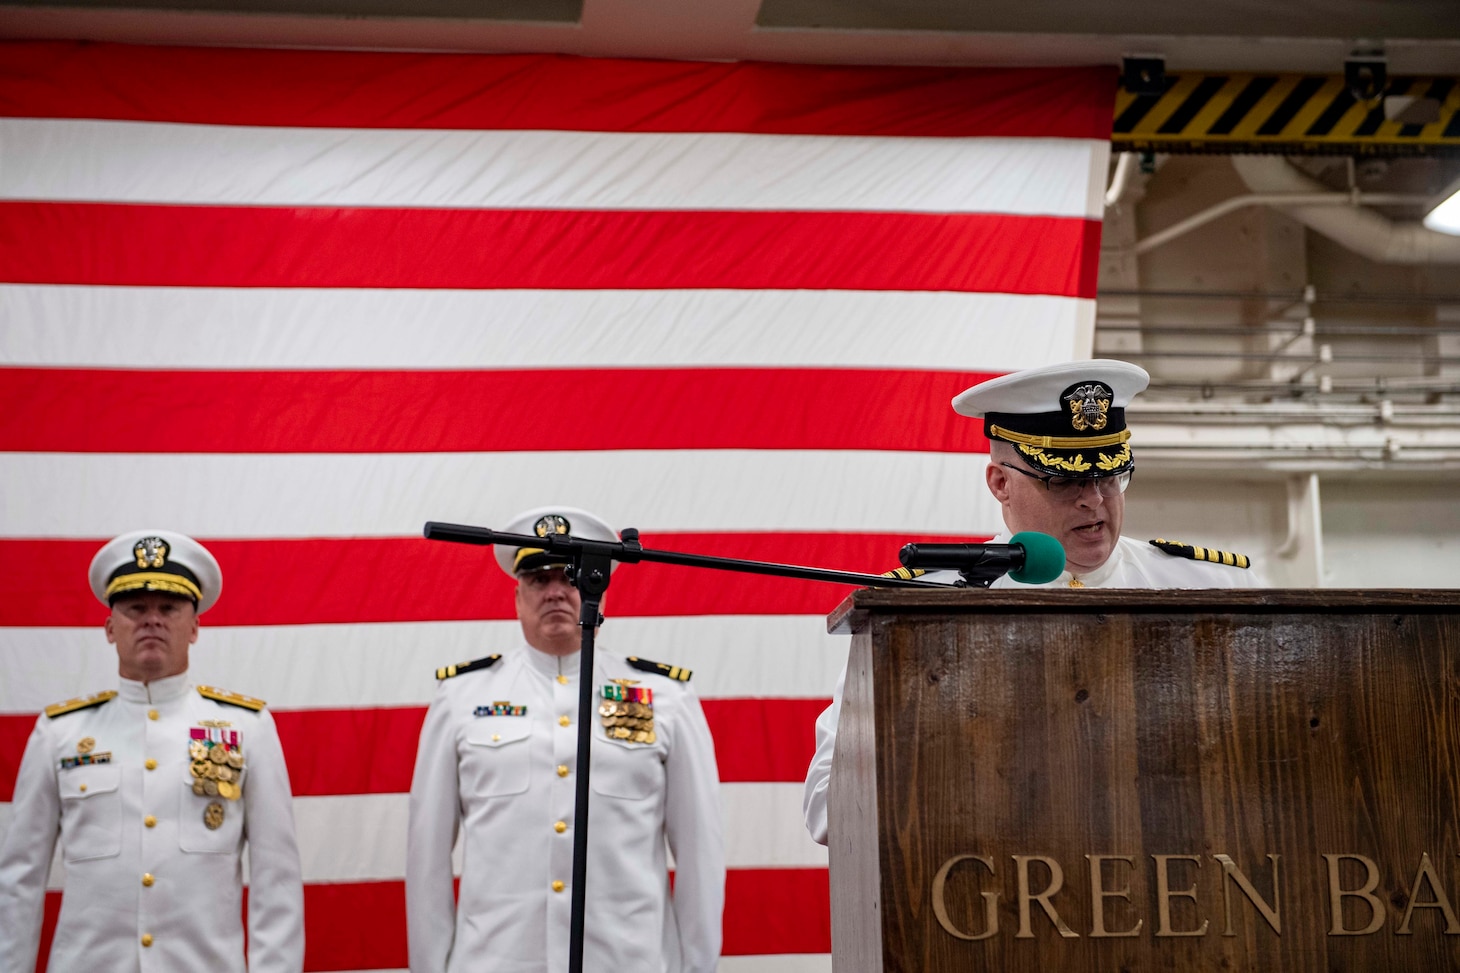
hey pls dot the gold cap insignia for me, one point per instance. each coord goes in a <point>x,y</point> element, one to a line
<point>552,524</point>
<point>1089,403</point>
<point>151,552</point>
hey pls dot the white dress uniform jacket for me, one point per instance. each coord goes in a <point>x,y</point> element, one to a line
<point>148,885</point>
<point>507,783</point>
<point>1133,564</point>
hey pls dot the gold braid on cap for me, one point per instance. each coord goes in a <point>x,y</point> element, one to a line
<point>154,581</point>
<point>1058,442</point>
<point>524,553</point>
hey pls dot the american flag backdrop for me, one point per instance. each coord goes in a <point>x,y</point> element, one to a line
<point>297,303</point>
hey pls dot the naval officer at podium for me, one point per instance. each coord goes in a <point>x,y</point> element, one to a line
<point>1060,461</point>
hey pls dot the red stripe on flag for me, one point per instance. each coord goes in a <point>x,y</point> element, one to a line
<point>544,91</point>
<point>386,737</point>
<point>54,410</point>
<point>777,910</point>
<point>52,912</point>
<point>762,740</point>
<point>14,732</point>
<point>355,926</point>
<point>261,246</point>
<point>362,925</point>
<point>410,579</point>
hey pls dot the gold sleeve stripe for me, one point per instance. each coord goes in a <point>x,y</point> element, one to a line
<point>1058,442</point>
<point>906,574</point>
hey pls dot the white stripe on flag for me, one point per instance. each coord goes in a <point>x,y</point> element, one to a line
<point>763,829</point>
<point>146,162</point>
<point>382,664</point>
<point>787,963</point>
<point>228,328</point>
<point>394,494</point>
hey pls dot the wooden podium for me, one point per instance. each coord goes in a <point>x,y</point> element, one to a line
<point>1112,780</point>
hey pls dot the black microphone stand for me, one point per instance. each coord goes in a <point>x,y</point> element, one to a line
<point>589,565</point>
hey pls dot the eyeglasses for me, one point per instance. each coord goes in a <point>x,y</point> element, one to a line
<point>1069,487</point>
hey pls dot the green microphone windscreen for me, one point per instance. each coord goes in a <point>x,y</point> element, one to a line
<point>1044,558</point>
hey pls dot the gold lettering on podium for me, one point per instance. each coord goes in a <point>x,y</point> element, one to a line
<point>1109,880</point>
<point>1441,901</point>
<point>1056,882</point>
<point>1337,893</point>
<point>990,900</point>
<point>1232,874</point>
<point>1098,895</point>
<point>1164,895</point>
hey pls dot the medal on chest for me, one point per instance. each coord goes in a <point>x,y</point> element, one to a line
<point>216,755</point>
<point>627,711</point>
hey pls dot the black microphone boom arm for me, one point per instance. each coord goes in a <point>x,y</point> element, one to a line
<point>979,564</point>
<point>630,551</point>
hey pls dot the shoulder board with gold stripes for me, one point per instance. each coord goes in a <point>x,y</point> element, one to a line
<point>1193,553</point>
<point>663,669</point>
<point>446,672</point>
<point>85,702</point>
<point>906,574</point>
<point>232,699</point>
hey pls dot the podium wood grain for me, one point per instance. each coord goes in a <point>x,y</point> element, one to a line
<point>1063,724</point>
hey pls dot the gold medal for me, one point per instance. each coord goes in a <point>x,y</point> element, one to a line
<point>621,732</point>
<point>218,754</point>
<point>223,774</point>
<point>640,736</point>
<point>213,816</point>
<point>605,708</point>
<point>197,751</point>
<point>199,768</point>
<point>230,791</point>
<point>235,760</point>
<point>651,738</point>
<point>85,745</point>
<point>198,788</point>
<point>211,787</point>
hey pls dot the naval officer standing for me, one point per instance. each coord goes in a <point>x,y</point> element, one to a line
<point>497,763</point>
<point>153,789</point>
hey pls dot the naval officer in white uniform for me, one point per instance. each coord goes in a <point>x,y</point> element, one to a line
<point>497,764</point>
<point>153,789</point>
<point>1059,463</point>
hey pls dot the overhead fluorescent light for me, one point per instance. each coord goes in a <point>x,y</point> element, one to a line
<point>1445,218</point>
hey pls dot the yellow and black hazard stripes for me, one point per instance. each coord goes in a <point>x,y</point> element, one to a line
<point>1291,113</point>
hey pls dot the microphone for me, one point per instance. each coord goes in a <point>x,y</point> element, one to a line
<point>1029,558</point>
